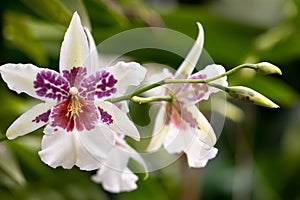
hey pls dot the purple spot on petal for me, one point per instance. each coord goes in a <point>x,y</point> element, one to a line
<point>105,117</point>
<point>198,89</point>
<point>44,117</point>
<point>75,75</point>
<point>188,117</point>
<point>51,85</point>
<point>101,84</point>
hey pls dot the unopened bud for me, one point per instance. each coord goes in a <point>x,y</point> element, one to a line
<point>246,94</point>
<point>266,68</point>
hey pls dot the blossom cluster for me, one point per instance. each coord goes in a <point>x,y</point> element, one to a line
<point>85,112</point>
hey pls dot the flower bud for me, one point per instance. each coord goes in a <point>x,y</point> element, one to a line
<point>246,94</point>
<point>266,68</point>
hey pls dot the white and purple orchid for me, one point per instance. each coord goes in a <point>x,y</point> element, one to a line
<point>179,125</point>
<point>80,124</point>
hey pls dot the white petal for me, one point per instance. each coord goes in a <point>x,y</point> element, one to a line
<point>127,74</point>
<point>193,126</point>
<point>20,77</point>
<point>132,153</point>
<point>205,132</point>
<point>24,124</point>
<point>121,123</point>
<point>212,71</point>
<point>98,141</point>
<point>123,105</point>
<point>190,62</point>
<point>177,139</point>
<point>113,174</point>
<point>116,181</point>
<point>94,58</point>
<point>75,50</point>
<point>67,149</point>
<point>159,131</point>
<point>198,153</point>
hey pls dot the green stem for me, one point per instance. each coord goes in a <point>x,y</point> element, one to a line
<point>177,81</point>
<point>151,99</point>
<point>137,92</point>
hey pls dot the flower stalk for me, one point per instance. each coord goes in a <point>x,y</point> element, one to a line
<point>264,68</point>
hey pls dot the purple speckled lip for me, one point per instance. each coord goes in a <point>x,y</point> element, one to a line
<point>75,92</point>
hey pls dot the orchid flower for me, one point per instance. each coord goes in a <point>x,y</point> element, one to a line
<point>80,124</point>
<point>179,125</point>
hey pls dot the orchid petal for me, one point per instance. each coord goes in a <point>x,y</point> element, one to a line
<point>211,71</point>
<point>123,105</point>
<point>128,150</point>
<point>75,50</point>
<point>25,123</point>
<point>159,131</point>
<point>121,122</point>
<point>192,93</point>
<point>20,77</point>
<point>198,154</point>
<point>204,131</point>
<point>190,62</point>
<point>94,58</point>
<point>99,141</point>
<point>83,149</point>
<point>193,126</point>
<point>116,181</point>
<point>177,140</point>
<point>127,74</point>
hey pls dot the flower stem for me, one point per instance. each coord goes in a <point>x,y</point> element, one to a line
<point>141,100</point>
<point>178,81</point>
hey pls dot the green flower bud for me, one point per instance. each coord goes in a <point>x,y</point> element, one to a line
<point>246,94</point>
<point>266,68</point>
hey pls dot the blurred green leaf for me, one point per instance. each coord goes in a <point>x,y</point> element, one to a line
<point>53,10</point>
<point>23,40</point>
<point>10,167</point>
<point>107,12</point>
<point>275,89</point>
<point>79,6</point>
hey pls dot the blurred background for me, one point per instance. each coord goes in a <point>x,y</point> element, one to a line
<point>259,148</point>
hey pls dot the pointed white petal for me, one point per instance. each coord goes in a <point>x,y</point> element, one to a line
<point>67,149</point>
<point>198,153</point>
<point>94,58</point>
<point>159,131</point>
<point>20,77</point>
<point>75,50</point>
<point>127,74</point>
<point>190,62</point>
<point>121,123</point>
<point>25,124</point>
